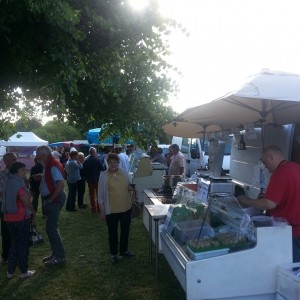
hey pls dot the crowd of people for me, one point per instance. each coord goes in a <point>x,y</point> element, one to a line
<point>53,168</point>
<point>109,189</point>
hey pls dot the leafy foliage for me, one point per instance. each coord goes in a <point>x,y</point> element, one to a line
<point>27,124</point>
<point>89,60</point>
<point>56,131</point>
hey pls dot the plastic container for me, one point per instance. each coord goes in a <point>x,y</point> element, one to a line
<point>206,254</point>
<point>189,230</point>
<point>288,283</point>
<point>262,221</point>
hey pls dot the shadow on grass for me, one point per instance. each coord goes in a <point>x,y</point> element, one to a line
<point>88,273</point>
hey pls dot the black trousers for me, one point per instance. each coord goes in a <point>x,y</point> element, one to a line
<point>112,221</point>
<point>70,206</point>
<point>296,249</point>
<point>6,241</point>
<point>80,191</point>
<point>19,248</point>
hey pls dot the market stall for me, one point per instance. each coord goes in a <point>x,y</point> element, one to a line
<point>224,256</point>
<point>232,251</point>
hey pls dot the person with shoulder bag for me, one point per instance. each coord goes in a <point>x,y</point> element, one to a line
<point>18,211</point>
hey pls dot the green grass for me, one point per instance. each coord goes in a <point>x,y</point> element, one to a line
<point>88,273</point>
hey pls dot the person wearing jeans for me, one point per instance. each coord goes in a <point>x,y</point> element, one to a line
<point>73,167</point>
<point>81,183</point>
<point>18,210</point>
<point>52,211</point>
<point>8,159</point>
<point>53,195</point>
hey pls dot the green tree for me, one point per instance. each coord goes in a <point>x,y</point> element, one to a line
<point>89,60</point>
<point>27,124</point>
<point>57,131</point>
<point>7,129</point>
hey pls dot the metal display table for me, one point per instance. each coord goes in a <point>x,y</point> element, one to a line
<point>156,213</point>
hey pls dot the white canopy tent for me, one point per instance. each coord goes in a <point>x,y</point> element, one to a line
<point>269,97</point>
<point>24,139</point>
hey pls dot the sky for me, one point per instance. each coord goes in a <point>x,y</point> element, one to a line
<point>229,41</point>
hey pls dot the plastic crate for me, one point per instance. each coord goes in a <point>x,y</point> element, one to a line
<point>288,283</point>
<point>206,254</point>
<point>189,230</point>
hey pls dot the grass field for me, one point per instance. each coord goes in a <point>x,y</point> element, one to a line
<point>88,273</point>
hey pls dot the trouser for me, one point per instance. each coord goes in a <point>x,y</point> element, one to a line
<point>5,237</point>
<point>93,192</point>
<point>80,191</point>
<point>35,201</point>
<point>19,248</point>
<point>72,187</point>
<point>52,211</point>
<point>296,249</point>
<point>112,221</point>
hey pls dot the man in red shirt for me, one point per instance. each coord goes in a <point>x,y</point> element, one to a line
<point>282,198</point>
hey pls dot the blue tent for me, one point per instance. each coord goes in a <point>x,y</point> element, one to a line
<point>93,138</point>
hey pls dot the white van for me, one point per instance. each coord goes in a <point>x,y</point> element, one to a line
<point>197,156</point>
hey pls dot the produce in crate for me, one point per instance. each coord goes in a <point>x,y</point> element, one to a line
<point>204,244</point>
<point>230,238</point>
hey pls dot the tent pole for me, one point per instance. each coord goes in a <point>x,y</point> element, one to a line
<point>263,135</point>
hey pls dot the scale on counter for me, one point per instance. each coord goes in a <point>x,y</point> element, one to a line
<point>214,181</point>
<point>217,184</point>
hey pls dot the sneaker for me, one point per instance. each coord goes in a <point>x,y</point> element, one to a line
<point>55,261</point>
<point>9,276</point>
<point>28,274</point>
<point>114,259</point>
<point>128,254</point>
<point>47,258</point>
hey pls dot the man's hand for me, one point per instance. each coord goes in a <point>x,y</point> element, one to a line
<point>243,200</point>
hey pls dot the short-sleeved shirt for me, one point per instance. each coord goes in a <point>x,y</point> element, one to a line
<point>20,215</point>
<point>56,176</point>
<point>177,162</point>
<point>284,190</point>
<point>119,197</point>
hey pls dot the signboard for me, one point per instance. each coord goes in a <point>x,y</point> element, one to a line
<point>202,191</point>
<point>168,219</point>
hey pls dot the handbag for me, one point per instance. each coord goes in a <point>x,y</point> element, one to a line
<point>34,237</point>
<point>136,206</point>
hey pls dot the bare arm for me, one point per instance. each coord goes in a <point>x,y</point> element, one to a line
<point>25,198</point>
<point>261,203</point>
<point>181,170</point>
<point>58,189</point>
